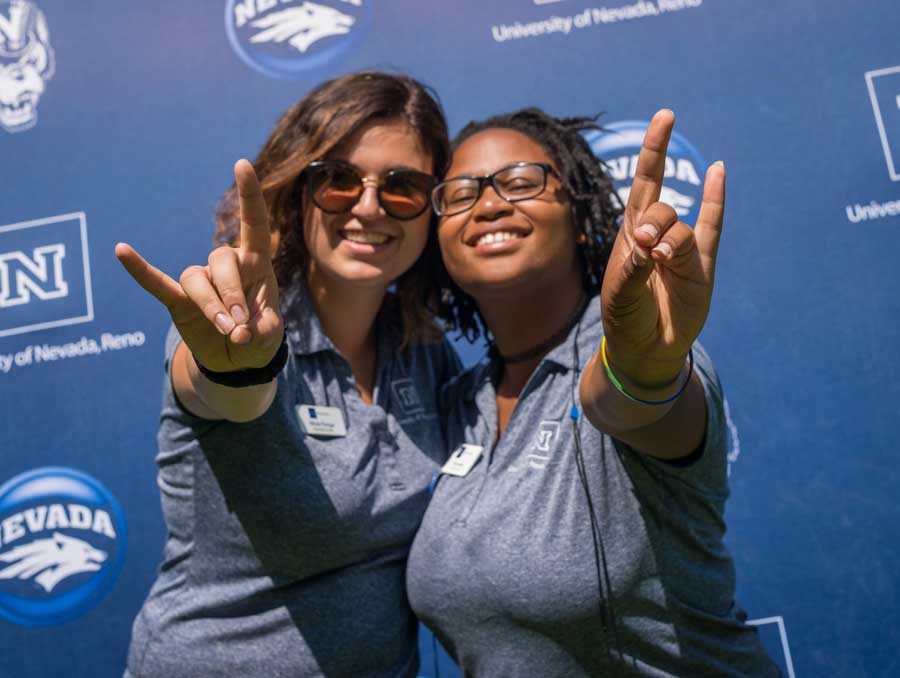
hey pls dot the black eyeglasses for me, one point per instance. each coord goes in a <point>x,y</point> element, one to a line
<point>519,181</point>
<point>336,186</point>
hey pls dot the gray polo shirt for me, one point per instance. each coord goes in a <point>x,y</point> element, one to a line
<point>503,567</point>
<point>286,552</point>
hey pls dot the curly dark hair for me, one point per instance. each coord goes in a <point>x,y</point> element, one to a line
<point>595,205</point>
<point>311,129</point>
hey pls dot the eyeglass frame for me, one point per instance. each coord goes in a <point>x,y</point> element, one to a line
<point>485,179</point>
<point>379,183</point>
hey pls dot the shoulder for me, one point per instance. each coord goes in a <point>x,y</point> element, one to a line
<point>464,386</point>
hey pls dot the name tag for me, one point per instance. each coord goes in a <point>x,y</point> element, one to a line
<point>462,460</point>
<point>322,421</point>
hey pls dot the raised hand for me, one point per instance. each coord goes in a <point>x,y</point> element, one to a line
<point>227,311</point>
<point>659,279</point>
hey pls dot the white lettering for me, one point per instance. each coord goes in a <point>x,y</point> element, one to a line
<point>12,528</point>
<point>243,12</point>
<point>517,31</point>
<point>116,342</point>
<point>6,362</point>
<point>677,5</point>
<point>35,518</point>
<point>48,352</point>
<point>681,169</point>
<point>25,357</point>
<point>103,525</point>
<point>874,210</point>
<point>56,517</point>
<point>684,171</point>
<point>32,275</point>
<point>80,516</point>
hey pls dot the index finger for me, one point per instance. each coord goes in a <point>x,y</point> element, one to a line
<point>651,164</point>
<point>157,283</point>
<point>255,233</point>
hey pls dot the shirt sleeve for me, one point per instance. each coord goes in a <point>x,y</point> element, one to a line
<point>172,409</point>
<point>706,470</point>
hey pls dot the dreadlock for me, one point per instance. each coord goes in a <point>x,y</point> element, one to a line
<point>595,206</point>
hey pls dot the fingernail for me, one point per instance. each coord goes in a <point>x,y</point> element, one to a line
<point>238,314</point>
<point>638,258</point>
<point>720,163</point>
<point>224,323</point>
<point>650,230</point>
<point>664,248</point>
<point>241,337</point>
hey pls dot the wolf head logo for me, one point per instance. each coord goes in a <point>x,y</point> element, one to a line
<point>302,26</point>
<point>26,63</point>
<point>49,561</point>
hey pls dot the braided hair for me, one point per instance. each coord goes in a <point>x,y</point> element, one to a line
<point>595,206</point>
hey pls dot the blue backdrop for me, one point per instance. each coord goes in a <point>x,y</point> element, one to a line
<point>121,121</point>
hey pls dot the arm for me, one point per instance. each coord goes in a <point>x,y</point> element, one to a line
<point>656,294</point>
<point>208,400</point>
<point>226,313</point>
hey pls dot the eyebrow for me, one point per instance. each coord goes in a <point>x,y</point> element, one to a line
<point>392,168</point>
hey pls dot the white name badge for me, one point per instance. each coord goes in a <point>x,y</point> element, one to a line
<point>322,421</point>
<point>462,460</point>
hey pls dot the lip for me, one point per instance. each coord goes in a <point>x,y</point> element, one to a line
<point>472,236</point>
<point>365,247</point>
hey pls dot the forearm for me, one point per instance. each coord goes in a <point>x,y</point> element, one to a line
<point>666,431</point>
<point>209,400</point>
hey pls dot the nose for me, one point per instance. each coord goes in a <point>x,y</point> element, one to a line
<point>368,207</point>
<point>490,205</point>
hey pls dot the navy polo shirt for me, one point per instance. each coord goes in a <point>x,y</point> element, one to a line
<point>503,567</point>
<point>285,553</point>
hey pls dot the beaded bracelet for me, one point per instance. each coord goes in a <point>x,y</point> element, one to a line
<point>618,385</point>
<point>255,376</point>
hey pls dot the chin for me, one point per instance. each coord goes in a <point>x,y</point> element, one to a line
<point>364,275</point>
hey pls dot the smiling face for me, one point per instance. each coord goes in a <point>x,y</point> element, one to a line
<point>527,245</point>
<point>364,246</point>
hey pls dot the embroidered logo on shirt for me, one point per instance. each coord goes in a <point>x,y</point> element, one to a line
<point>544,444</point>
<point>408,398</point>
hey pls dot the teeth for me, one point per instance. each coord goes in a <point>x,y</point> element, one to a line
<point>498,236</point>
<point>368,237</point>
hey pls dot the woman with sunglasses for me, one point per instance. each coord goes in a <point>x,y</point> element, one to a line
<point>299,427</point>
<point>555,547</point>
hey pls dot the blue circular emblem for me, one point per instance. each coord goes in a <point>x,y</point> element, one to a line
<point>62,545</point>
<point>287,38</point>
<point>619,143</point>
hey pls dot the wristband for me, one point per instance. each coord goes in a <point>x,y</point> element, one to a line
<point>254,376</point>
<point>618,385</point>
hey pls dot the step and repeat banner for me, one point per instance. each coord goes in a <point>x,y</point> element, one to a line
<point>121,121</point>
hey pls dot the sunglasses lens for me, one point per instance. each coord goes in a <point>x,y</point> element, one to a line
<point>405,194</point>
<point>334,188</point>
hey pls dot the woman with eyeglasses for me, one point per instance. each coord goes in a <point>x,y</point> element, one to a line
<point>576,529</point>
<point>299,427</point>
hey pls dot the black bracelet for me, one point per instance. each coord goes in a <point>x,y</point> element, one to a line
<point>254,376</point>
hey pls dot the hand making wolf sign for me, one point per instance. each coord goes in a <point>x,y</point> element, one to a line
<point>659,279</point>
<point>227,311</point>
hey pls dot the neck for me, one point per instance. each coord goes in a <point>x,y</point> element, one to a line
<point>511,319</point>
<point>347,313</point>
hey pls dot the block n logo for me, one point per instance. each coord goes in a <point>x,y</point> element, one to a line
<point>41,274</point>
<point>884,93</point>
<point>45,277</point>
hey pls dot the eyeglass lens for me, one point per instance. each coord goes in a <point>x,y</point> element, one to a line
<point>518,182</point>
<point>336,188</point>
